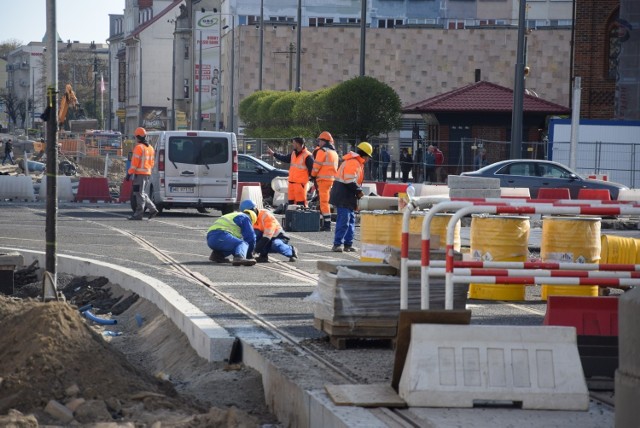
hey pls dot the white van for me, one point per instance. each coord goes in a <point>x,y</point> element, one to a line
<point>194,169</point>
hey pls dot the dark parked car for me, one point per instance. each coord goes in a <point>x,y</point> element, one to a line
<point>538,174</point>
<point>252,169</point>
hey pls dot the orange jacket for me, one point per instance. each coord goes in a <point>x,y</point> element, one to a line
<point>325,165</point>
<point>267,224</point>
<point>142,160</point>
<point>298,172</point>
<point>344,192</point>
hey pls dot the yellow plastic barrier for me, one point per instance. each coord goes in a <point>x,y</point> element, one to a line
<point>619,250</point>
<point>570,240</point>
<point>501,239</point>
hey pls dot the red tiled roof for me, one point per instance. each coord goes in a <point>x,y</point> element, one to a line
<point>483,97</point>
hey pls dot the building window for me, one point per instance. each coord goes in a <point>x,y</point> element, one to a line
<point>349,20</point>
<point>389,23</point>
<point>320,22</point>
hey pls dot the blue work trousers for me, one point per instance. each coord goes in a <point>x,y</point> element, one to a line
<point>227,244</point>
<point>345,227</point>
<point>276,245</point>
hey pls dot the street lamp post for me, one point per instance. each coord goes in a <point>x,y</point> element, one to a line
<point>200,83</point>
<point>232,71</point>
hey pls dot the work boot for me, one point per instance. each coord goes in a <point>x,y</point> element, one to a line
<point>218,257</point>
<point>294,254</point>
<point>134,218</point>
<point>262,259</point>
<point>241,261</point>
<point>326,227</point>
<point>337,248</point>
<point>152,214</point>
<point>349,249</point>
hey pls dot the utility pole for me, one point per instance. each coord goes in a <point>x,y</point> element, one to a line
<point>299,42</point>
<point>518,88</point>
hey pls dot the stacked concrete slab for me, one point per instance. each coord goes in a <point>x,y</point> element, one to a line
<point>473,187</point>
<point>627,382</point>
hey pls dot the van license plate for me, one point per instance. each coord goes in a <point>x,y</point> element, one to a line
<point>182,189</point>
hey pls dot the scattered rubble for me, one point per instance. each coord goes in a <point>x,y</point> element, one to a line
<point>61,369</point>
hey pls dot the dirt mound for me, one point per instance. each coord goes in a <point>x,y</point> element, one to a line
<point>50,352</point>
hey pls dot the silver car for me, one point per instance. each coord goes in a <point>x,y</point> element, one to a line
<point>538,174</point>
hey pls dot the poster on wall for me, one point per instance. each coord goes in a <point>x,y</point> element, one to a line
<point>207,40</point>
<point>154,118</point>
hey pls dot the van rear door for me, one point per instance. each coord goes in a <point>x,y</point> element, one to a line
<point>198,165</point>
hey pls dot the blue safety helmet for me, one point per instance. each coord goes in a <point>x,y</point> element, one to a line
<point>247,204</point>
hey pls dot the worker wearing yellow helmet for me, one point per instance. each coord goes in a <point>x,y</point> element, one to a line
<point>232,234</point>
<point>345,193</point>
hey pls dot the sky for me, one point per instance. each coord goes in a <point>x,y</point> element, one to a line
<point>77,20</point>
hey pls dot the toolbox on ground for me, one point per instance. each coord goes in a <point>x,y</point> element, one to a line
<point>299,219</point>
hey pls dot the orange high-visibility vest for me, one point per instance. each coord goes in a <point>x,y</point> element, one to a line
<point>351,170</point>
<point>298,172</point>
<point>267,224</point>
<point>325,165</point>
<point>142,160</point>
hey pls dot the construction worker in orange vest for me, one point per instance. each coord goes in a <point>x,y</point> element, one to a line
<point>345,194</point>
<point>325,169</point>
<point>270,237</point>
<point>301,163</point>
<point>142,163</point>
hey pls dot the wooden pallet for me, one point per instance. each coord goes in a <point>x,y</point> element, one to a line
<point>344,333</point>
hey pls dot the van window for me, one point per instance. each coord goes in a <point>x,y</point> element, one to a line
<point>199,150</point>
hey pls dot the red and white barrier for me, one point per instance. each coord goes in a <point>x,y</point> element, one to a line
<point>507,206</point>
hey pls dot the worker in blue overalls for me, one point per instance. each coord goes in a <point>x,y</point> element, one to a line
<point>232,234</point>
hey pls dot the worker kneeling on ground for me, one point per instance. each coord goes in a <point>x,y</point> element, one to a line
<point>301,163</point>
<point>269,234</point>
<point>232,234</point>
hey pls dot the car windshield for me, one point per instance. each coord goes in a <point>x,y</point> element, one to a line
<point>199,150</point>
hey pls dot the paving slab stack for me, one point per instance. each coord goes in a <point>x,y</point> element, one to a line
<point>473,187</point>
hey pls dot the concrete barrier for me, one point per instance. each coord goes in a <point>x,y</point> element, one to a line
<point>627,380</point>
<point>17,187</point>
<point>453,366</point>
<point>254,193</point>
<point>515,192</point>
<point>65,191</point>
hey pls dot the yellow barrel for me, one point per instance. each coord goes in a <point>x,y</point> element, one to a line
<point>619,250</point>
<point>570,240</point>
<point>382,230</point>
<point>501,239</point>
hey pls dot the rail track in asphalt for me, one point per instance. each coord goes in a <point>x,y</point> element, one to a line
<point>399,417</point>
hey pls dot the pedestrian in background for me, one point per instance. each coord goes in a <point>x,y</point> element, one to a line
<point>406,164</point>
<point>385,159</point>
<point>325,169</point>
<point>300,165</point>
<point>345,194</point>
<point>8,152</point>
<point>270,237</point>
<point>232,234</point>
<point>430,165</point>
<point>142,163</point>
<point>480,159</point>
<point>439,163</point>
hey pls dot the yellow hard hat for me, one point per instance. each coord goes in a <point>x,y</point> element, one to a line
<point>252,215</point>
<point>366,147</point>
<point>324,135</point>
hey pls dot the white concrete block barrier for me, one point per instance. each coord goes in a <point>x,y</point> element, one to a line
<point>65,190</point>
<point>211,341</point>
<point>463,182</point>
<point>17,187</point>
<point>254,193</point>
<point>627,379</point>
<point>454,365</point>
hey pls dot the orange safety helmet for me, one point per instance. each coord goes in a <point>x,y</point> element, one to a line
<point>140,133</point>
<point>324,135</point>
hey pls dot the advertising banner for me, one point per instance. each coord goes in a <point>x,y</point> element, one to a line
<point>207,38</point>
